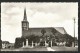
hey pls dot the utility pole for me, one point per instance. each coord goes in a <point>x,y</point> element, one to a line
<point>74,32</point>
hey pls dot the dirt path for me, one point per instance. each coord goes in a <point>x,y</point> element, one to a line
<point>49,49</point>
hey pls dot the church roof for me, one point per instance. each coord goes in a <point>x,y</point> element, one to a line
<point>59,29</point>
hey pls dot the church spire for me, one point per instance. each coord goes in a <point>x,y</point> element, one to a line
<point>25,17</point>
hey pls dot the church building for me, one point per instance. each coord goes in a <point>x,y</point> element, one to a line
<point>29,34</point>
<point>27,31</point>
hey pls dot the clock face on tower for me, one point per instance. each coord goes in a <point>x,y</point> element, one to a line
<point>24,24</point>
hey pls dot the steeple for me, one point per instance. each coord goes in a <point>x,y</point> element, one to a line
<point>25,23</point>
<point>25,17</point>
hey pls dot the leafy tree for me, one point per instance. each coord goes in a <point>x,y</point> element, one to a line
<point>54,31</point>
<point>51,37</point>
<point>37,39</point>
<point>43,31</point>
<point>69,39</point>
<point>18,42</point>
<point>33,38</point>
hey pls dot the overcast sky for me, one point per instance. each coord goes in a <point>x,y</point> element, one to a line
<point>39,15</point>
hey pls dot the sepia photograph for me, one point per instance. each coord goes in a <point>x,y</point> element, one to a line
<point>39,26</point>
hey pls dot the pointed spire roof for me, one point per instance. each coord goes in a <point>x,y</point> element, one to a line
<point>25,17</point>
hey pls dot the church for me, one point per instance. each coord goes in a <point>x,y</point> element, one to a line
<point>29,34</point>
<point>26,31</point>
<point>48,33</point>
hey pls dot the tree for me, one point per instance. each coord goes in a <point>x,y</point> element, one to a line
<point>18,42</point>
<point>69,39</point>
<point>37,39</point>
<point>43,31</point>
<point>51,37</point>
<point>54,31</point>
<point>33,38</point>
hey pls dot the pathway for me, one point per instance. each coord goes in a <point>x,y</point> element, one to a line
<point>49,49</point>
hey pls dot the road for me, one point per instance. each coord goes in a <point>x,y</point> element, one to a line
<point>55,48</point>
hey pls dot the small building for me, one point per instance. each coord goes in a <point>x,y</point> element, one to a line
<point>5,44</point>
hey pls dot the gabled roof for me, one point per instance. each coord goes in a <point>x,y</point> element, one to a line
<point>59,29</point>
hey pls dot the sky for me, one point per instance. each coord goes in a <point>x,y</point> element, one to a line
<point>46,14</point>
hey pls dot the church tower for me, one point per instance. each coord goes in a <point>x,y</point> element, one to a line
<point>25,24</point>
